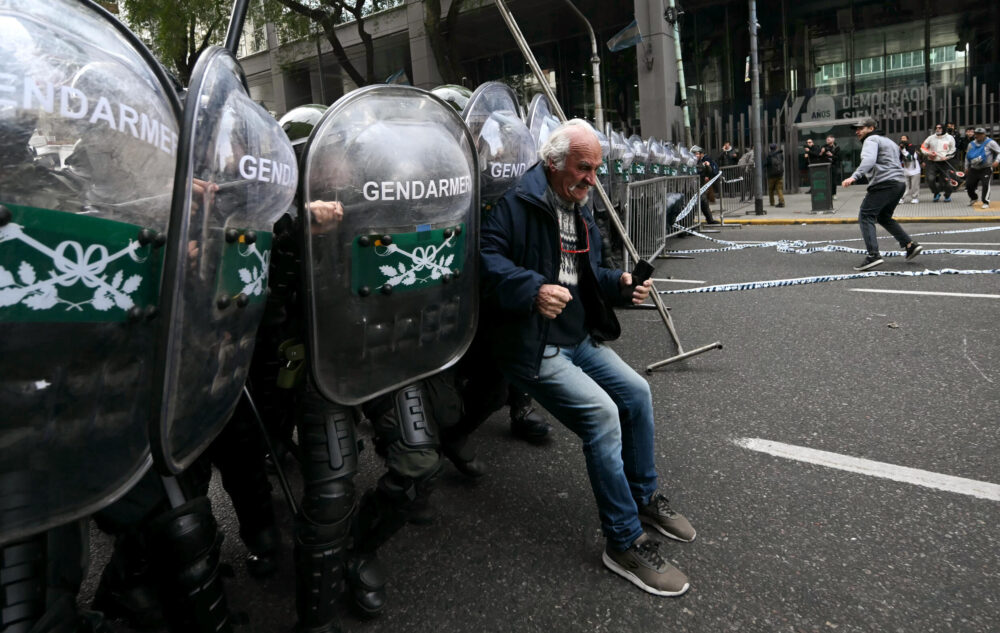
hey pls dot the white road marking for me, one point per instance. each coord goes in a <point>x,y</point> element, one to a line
<point>979,244</point>
<point>924,292</point>
<point>965,348</point>
<point>948,483</point>
<point>677,281</point>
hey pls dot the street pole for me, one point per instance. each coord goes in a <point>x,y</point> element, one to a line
<point>758,162</point>
<point>688,140</point>
<point>595,61</point>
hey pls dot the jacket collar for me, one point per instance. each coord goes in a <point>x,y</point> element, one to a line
<point>532,185</point>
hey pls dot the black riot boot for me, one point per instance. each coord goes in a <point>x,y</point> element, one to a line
<point>127,590</point>
<point>184,547</point>
<point>525,422</point>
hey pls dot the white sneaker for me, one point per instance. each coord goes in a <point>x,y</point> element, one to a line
<point>986,205</point>
<point>900,201</point>
<point>914,201</point>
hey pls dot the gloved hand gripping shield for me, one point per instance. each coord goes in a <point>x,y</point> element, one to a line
<point>504,143</point>
<point>236,175</point>
<point>391,222</point>
<point>88,132</point>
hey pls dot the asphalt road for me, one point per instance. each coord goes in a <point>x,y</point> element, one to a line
<point>904,380</point>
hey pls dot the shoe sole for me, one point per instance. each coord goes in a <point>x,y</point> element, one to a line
<point>635,580</point>
<point>659,529</point>
<point>916,252</point>
<point>869,266</point>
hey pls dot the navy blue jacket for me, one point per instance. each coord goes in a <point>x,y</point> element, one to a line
<point>519,247</point>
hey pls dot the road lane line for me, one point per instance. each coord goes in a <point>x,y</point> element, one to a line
<point>948,483</point>
<point>925,292</point>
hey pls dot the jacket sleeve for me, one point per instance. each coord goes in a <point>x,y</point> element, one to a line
<point>511,287</point>
<point>869,152</point>
<point>995,148</point>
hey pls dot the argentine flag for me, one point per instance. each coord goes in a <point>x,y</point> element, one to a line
<point>628,36</point>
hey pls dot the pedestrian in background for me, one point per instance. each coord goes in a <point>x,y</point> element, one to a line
<point>962,144</point>
<point>938,148</point>
<point>830,153</point>
<point>707,169</point>
<point>775,165</point>
<point>728,156</point>
<point>911,169</point>
<point>880,164</point>
<point>981,158</point>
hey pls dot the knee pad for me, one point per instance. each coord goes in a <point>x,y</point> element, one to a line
<point>329,461</point>
<point>405,417</point>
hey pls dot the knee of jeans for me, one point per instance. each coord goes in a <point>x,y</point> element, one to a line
<point>605,429</point>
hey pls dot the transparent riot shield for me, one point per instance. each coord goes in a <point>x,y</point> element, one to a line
<point>640,161</point>
<point>657,158</point>
<point>504,143</point>
<point>88,136</point>
<point>236,176</point>
<point>391,222</point>
<point>621,166</point>
<point>540,119</point>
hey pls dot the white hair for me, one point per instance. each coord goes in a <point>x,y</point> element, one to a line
<point>556,147</point>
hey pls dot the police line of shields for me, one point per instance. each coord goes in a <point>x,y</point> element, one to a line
<point>134,249</point>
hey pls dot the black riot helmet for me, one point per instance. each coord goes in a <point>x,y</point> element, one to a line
<point>298,124</point>
<point>454,95</point>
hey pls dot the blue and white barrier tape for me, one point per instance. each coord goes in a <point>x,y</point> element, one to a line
<point>801,247</point>
<point>778,283</point>
<point>690,205</point>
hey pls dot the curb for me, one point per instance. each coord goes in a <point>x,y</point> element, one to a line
<point>790,221</point>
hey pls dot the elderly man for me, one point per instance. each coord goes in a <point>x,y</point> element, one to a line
<point>541,255</point>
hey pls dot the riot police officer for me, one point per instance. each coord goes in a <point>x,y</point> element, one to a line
<point>373,294</point>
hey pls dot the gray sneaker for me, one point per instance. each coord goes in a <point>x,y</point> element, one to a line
<point>668,522</point>
<point>643,565</point>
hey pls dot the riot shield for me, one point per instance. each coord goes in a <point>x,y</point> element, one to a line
<point>640,159</point>
<point>236,174</point>
<point>657,158</point>
<point>540,119</point>
<point>88,133</point>
<point>504,143</point>
<point>391,222</point>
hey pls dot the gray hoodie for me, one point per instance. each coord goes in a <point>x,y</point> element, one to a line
<point>880,161</point>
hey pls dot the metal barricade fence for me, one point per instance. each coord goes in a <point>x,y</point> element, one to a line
<point>736,190</point>
<point>647,215</point>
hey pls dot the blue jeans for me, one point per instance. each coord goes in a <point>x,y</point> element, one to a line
<point>596,395</point>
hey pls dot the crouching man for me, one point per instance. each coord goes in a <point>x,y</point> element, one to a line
<point>541,255</point>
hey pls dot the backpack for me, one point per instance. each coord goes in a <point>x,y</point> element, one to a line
<point>775,164</point>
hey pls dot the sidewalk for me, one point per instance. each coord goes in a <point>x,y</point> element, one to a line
<point>798,210</point>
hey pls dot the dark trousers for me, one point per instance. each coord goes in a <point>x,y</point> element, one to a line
<point>937,177</point>
<point>878,206</point>
<point>975,178</point>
